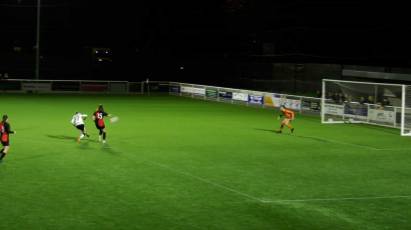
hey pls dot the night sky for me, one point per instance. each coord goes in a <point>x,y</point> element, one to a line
<point>164,31</point>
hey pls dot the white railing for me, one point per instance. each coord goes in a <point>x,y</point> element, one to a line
<point>206,92</point>
<point>246,97</point>
<point>390,116</point>
<point>64,86</point>
<point>80,86</point>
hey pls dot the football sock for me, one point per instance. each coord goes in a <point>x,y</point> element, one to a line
<point>104,135</point>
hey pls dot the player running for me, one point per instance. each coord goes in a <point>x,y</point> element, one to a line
<point>98,118</point>
<point>4,133</point>
<point>78,122</point>
<point>289,115</point>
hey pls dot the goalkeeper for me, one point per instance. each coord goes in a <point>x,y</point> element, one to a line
<point>288,115</point>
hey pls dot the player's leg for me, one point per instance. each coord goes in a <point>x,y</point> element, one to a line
<point>290,126</point>
<point>100,135</point>
<point>80,136</point>
<point>2,154</point>
<point>283,123</point>
<point>81,129</point>
<point>104,135</point>
<point>286,122</point>
<point>100,132</point>
<point>4,151</point>
<point>85,132</point>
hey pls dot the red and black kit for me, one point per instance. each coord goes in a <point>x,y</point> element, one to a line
<point>5,131</point>
<point>99,121</point>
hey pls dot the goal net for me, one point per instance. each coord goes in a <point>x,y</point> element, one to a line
<point>364,102</point>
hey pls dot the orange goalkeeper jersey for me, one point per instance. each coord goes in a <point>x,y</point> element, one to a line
<point>288,114</point>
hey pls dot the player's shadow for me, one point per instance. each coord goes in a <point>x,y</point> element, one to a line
<point>73,138</point>
<point>318,139</point>
<point>33,157</point>
<point>84,145</point>
<point>267,130</point>
<point>108,149</point>
<point>294,135</point>
<point>62,137</point>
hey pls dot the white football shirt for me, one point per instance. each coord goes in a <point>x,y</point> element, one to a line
<point>78,119</point>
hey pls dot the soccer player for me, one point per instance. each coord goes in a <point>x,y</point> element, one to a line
<point>288,117</point>
<point>4,132</point>
<point>78,122</point>
<point>98,118</point>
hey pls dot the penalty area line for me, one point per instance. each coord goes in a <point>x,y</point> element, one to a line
<point>278,201</point>
<point>204,181</point>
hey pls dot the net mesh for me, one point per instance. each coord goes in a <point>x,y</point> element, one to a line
<point>362,102</point>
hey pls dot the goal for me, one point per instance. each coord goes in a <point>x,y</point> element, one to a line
<point>380,104</point>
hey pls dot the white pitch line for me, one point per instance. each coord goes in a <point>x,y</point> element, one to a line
<point>273,201</point>
<point>205,181</point>
<point>394,149</point>
<point>353,144</point>
<point>338,199</point>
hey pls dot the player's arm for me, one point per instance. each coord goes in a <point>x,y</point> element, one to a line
<point>292,115</point>
<point>8,130</point>
<point>279,116</point>
<point>94,116</point>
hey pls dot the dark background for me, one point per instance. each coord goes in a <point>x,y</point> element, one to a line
<point>228,42</point>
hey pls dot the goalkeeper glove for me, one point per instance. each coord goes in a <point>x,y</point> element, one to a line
<point>279,116</point>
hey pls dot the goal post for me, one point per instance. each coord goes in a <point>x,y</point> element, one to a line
<point>379,104</point>
<point>406,111</point>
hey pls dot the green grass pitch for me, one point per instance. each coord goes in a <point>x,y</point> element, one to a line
<point>180,163</point>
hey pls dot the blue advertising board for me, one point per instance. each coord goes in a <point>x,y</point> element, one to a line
<point>356,109</point>
<point>253,99</point>
<point>225,95</point>
<point>175,88</point>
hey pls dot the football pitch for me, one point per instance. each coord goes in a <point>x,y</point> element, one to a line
<point>180,163</point>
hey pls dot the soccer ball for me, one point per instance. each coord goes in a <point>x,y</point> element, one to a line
<point>114,119</point>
